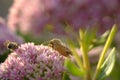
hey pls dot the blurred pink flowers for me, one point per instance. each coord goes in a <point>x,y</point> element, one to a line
<point>33,16</point>
<point>33,62</point>
<point>6,34</point>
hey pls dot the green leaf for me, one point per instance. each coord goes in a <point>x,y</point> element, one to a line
<point>65,76</point>
<point>86,38</point>
<point>105,34</point>
<point>73,69</point>
<point>101,40</point>
<point>75,54</point>
<point>107,66</point>
<point>81,34</point>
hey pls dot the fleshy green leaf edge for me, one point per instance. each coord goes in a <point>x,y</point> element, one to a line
<point>107,66</point>
<point>73,69</point>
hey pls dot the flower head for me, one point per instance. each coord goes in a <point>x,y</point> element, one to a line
<point>33,62</point>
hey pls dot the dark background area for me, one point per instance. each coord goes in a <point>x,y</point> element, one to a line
<point>4,7</point>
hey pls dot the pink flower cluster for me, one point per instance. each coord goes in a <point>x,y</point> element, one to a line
<point>6,34</point>
<point>33,62</point>
<point>33,16</point>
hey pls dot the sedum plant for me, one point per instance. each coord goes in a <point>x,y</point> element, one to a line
<point>40,62</point>
<point>32,62</point>
<point>82,67</point>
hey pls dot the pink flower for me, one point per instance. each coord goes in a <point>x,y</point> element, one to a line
<point>33,16</point>
<point>6,34</point>
<point>33,62</point>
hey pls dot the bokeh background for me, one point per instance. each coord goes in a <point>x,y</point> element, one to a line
<point>39,21</point>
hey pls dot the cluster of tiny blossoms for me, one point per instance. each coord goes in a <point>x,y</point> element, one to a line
<point>6,34</point>
<point>33,62</point>
<point>77,13</point>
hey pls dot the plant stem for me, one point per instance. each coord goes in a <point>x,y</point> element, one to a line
<point>86,62</point>
<point>77,58</point>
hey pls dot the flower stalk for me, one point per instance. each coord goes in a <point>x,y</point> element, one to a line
<point>86,62</point>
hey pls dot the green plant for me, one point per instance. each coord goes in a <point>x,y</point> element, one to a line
<point>82,68</point>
